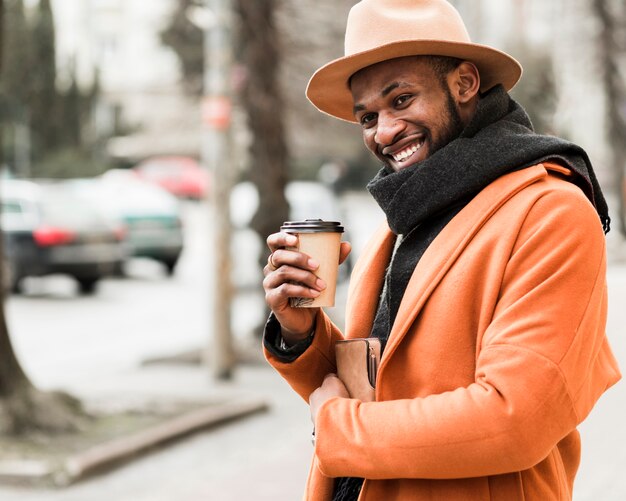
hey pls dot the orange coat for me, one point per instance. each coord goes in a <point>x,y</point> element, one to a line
<point>497,353</point>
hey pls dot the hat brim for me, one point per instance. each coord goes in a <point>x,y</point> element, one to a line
<point>329,88</point>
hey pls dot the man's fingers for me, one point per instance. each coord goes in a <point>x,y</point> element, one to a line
<point>290,274</point>
<point>334,386</point>
<point>285,257</point>
<point>331,387</point>
<point>270,263</point>
<point>278,297</point>
<point>281,240</point>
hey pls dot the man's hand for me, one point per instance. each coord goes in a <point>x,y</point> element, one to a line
<point>331,387</point>
<point>288,274</point>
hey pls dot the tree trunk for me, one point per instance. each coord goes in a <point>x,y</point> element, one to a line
<point>611,47</point>
<point>264,104</point>
<point>22,406</point>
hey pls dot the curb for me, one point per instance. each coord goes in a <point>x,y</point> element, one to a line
<point>99,457</point>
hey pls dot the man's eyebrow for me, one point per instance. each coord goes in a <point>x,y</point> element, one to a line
<point>389,88</point>
<point>384,93</point>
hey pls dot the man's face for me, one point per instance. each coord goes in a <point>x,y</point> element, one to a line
<point>405,112</point>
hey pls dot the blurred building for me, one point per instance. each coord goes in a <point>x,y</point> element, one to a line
<point>118,40</point>
<point>566,31</point>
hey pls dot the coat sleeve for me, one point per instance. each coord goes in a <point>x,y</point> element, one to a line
<point>306,373</point>
<point>542,363</point>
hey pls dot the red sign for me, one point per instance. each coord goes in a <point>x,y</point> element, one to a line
<point>216,112</point>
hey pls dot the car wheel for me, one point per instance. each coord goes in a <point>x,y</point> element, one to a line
<point>87,285</point>
<point>170,265</point>
<point>10,277</point>
<point>16,286</point>
<point>119,270</point>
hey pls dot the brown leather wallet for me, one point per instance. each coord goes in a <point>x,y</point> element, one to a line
<point>357,365</point>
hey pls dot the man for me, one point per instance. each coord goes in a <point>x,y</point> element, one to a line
<point>486,286</point>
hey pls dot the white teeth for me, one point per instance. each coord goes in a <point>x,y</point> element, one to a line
<point>404,154</point>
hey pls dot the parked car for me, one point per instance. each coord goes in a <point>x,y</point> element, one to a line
<point>183,177</point>
<point>47,229</point>
<point>151,215</point>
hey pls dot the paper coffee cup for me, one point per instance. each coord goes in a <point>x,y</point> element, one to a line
<point>321,241</point>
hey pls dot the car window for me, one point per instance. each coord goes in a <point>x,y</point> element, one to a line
<point>136,197</point>
<point>160,169</point>
<point>62,207</point>
<point>11,207</point>
<point>17,214</point>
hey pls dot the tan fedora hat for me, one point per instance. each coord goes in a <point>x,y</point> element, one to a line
<point>379,30</point>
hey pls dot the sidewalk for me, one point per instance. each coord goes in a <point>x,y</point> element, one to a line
<point>232,461</point>
<point>135,415</point>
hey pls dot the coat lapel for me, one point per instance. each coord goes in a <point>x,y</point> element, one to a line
<point>449,244</point>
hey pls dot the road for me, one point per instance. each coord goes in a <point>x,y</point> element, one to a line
<point>129,319</point>
<point>95,345</point>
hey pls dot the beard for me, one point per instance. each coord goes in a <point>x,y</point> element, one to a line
<point>454,125</point>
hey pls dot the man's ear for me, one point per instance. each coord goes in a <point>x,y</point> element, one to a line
<point>465,83</point>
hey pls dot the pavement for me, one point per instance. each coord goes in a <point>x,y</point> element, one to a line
<point>172,396</point>
<point>237,458</point>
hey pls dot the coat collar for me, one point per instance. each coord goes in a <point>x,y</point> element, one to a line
<point>368,277</point>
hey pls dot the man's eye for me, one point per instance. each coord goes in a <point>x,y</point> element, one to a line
<point>400,100</point>
<point>367,119</point>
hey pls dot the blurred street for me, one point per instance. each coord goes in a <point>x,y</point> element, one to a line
<point>95,346</point>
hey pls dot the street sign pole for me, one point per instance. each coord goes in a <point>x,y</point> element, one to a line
<point>217,157</point>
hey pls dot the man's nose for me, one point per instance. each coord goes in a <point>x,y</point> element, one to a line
<point>387,128</point>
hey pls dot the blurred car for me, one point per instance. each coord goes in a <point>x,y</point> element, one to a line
<point>151,215</point>
<point>183,177</point>
<point>47,229</point>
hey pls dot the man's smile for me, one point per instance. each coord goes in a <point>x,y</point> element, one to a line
<point>407,154</point>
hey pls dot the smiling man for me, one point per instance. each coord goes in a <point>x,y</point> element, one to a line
<point>486,285</point>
